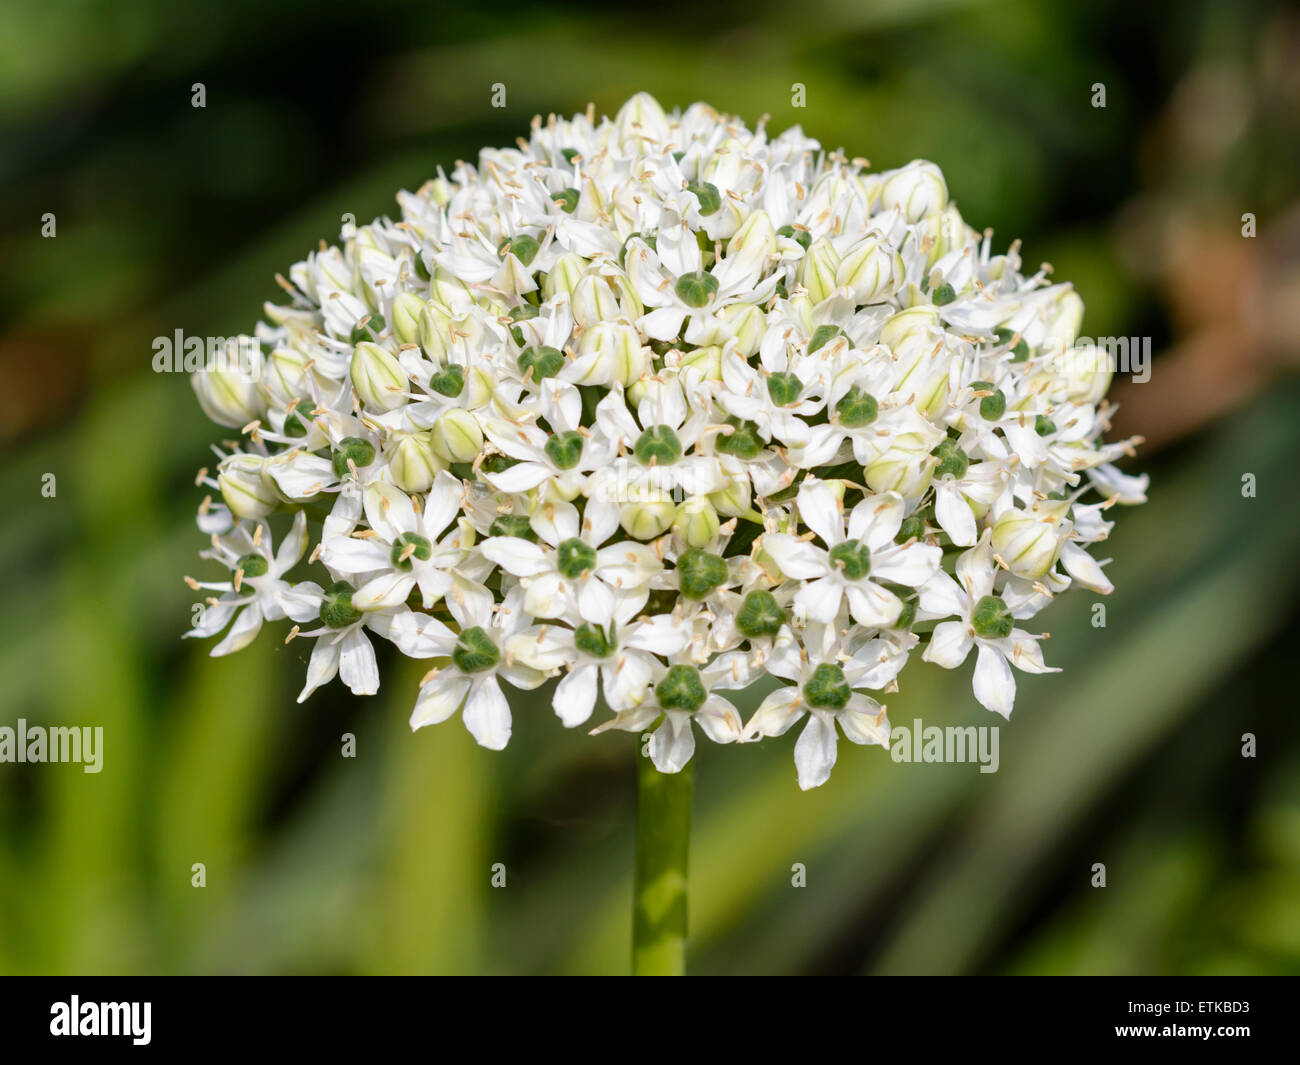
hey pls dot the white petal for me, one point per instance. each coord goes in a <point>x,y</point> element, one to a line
<point>814,753</point>
<point>1084,568</point>
<point>912,565</point>
<point>730,671</point>
<point>875,664</point>
<point>599,521</point>
<point>1024,652</point>
<point>543,647</point>
<point>300,602</point>
<point>216,616</point>
<point>348,555</point>
<point>470,604</point>
<point>718,720</point>
<point>797,559</point>
<point>820,600</point>
<point>628,681</point>
<point>547,596</point>
<point>864,721</point>
<point>388,589</point>
<point>672,743</point>
<point>662,635</point>
<point>422,636</point>
<point>873,606</point>
<point>575,695</point>
<point>293,545</point>
<point>781,709</point>
<point>595,601</point>
<point>663,324</point>
<point>877,519</point>
<point>995,684</point>
<point>556,522</point>
<point>521,478</point>
<point>389,510</point>
<point>322,666</point>
<point>439,698</point>
<point>357,666</point>
<point>303,476</point>
<point>976,570</point>
<point>820,510</point>
<point>242,632</point>
<point>627,564</point>
<point>487,714</point>
<point>954,515</point>
<point>950,643</point>
<point>515,555</point>
<point>823,443</point>
<point>443,504</point>
<point>942,597</point>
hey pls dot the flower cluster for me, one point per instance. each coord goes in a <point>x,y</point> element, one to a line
<point>662,405</point>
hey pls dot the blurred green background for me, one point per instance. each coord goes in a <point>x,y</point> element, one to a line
<point>174,217</point>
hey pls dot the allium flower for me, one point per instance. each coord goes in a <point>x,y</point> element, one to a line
<point>661,406</point>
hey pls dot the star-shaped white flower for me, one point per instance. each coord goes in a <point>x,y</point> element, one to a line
<point>854,561</point>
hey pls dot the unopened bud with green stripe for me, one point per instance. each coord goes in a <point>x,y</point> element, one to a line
<point>247,491</point>
<point>696,522</point>
<point>414,463</point>
<point>378,378</point>
<point>818,269</point>
<point>457,436</point>
<point>1030,541</point>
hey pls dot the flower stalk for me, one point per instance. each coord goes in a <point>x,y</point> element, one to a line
<point>663,834</point>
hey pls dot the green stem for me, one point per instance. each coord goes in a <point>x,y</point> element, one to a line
<point>663,837</point>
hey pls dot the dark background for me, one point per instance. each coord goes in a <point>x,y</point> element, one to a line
<point>170,216</point>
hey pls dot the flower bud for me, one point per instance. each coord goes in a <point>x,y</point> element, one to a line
<point>478,388</point>
<point>227,394</point>
<point>435,332</point>
<point>414,463</point>
<point>696,522</point>
<point>246,490</point>
<point>1063,320</point>
<point>378,378</point>
<point>450,291</point>
<point>1029,541</point>
<point>817,270</point>
<point>457,436</point>
<point>645,521</point>
<point>735,500</point>
<point>707,360</point>
<point>286,376</point>
<point>872,271</point>
<point>636,393</point>
<point>915,321</point>
<point>753,244</point>
<point>615,354</point>
<point>594,301</point>
<point>641,117</point>
<point>917,190</point>
<point>951,233</point>
<point>918,358</point>
<point>1085,374</point>
<point>746,324</point>
<point>407,307</point>
<point>904,467</point>
<point>564,276</point>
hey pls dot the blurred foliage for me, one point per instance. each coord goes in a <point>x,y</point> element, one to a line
<point>174,217</point>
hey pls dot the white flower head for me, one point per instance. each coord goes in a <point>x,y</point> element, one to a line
<point>654,406</point>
